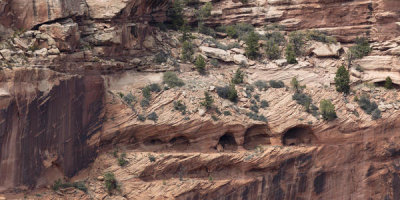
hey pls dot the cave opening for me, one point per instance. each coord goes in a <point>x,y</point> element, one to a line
<point>180,143</point>
<point>298,135</point>
<point>228,142</point>
<point>382,84</point>
<point>255,136</point>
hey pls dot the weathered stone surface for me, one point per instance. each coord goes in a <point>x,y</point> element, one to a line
<point>66,35</point>
<point>327,50</point>
<point>216,53</point>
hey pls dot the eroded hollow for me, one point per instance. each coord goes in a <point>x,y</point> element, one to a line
<point>298,135</point>
<point>228,142</point>
<point>255,136</point>
<point>382,84</point>
<point>180,143</point>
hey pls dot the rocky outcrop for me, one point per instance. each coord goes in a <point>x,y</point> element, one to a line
<point>46,121</point>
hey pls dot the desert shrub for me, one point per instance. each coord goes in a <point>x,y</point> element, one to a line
<point>361,48</point>
<point>254,108</point>
<point>388,83</point>
<point>275,37</point>
<point>327,110</point>
<point>297,41</point>
<point>110,182</point>
<point>145,103</point>
<point>359,68</point>
<point>251,50</point>
<point>238,77</point>
<point>261,85</point>
<point>172,80</point>
<point>152,158</point>
<point>141,118</point>
<point>206,30</point>
<point>146,92</point>
<point>320,36</point>
<point>257,117</point>
<point>276,84</point>
<point>272,50</point>
<point>153,116</point>
<point>367,105</point>
<point>129,98</point>
<point>264,104</point>
<point>214,62</point>
<point>175,15</point>
<point>257,97</point>
<point>342,80</point>
<point>154,87</point>
<point>231,31</point>
<point>122,161</point>
<point>227,113</point>
<point>376,114</point>
<point>59,184</point>
<point>228,92</point>
<point>179,106</point>
<point>207,101</point>
<point>244,1</point>
<point>290,54</point>
<point>160,57</point>
<point>249,90</point>
<point>187,50</point>
<point>243,30</point>
<point>215,118</point>
<point>205,11</point>
<point>200,64</point>
<point>302,99</point>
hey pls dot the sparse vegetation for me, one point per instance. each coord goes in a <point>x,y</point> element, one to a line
<point>276,84</point>
<point>129,98</point>
<point>160,57</point>
<point>361,48</point>
<point>376,114</point>
<point>200,64</point>
<point>290,54</point>
<point>228,92</point>
<point>172,80</point>
<point>252,45</point>
<point>207,101</point>
<point>175,15</point>
<point>238,77</point>
<point>59,184</point>
<point>227,113</point>
<point>152,116</point>
<point>122,161</point>
<point>152,158</point>
<point>214,62</point>
<point>297,41</point>
<point>264,104</point>
<point>388,83</point>
<point>261,85</point>
<point>141,118</point>
<point>342,80</point>
<point>187,51</point>
<point>257,117</point>
<point>272,50</point>
<point>215,118</point>
<point>179,106</point>
<point>367,105</point>
<point>327,110</point>
<point>319,36</point>
<point>110,182</point>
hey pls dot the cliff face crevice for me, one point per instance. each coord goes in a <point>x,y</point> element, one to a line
<point>48,129</point>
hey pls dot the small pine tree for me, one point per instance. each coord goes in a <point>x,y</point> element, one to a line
<point>327,110</point>
<point>252,45</point>
<point>187,50</point>
<point>272,50</point>
<point>290,54</point>
<point>295,84</point>
<point>208,101</point>
<point>388,83</point>
<point>342,80</point>
<point>238,77</point>
<point>200,64</point>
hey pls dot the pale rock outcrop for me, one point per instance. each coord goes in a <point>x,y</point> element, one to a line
<point>378,68</point>
<point>240,59</point>
<point>216,53</point>
<point>326,50</point>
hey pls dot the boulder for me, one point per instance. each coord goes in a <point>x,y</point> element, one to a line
<point>216,53</point>
<point>41,52</point>
<point>6,53</point>
<point>327,50</point>
<point>240,59</point>
<point>65,36</point>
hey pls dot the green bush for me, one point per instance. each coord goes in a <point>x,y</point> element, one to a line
<point>152,116</point>
<point>276,84</point>
<point>146,92</point>
<point>376,114</point>
<point>187,51</point>
<point>160,57</point>
<point>264,104</point>
<point>154,87</point>
<point>141,118</point>
<point>251,50</point>
<point>227,113</point>
<point>214,62</point>
<point>367,105</point>
<point>152,158</point>
<point>110,182</point>
<point>327,110</point>
<point>272,50</point>
<point>145,103</point>
<point>122,161</point>
<point>205,11</point>
<point>238,77</point>
<point>297,41</point>
<point>388,83</point>
<point>179,106</point>
<point>261,85</point>
<point>302,99</point>
<point>320,36</point>
<point>231,31</point>
<point>129,98</point>
<point>254,108</point>
<point>275,37</point>
<point>257,117</point>
<point>172,80</point>
<point>228,92</point>
<point>207,101</point>
<point>342,80</point>
<point>200,64</point>
<point>290,54</point>
<point>59,184</point>
<point>175,15</point>
<point>361,48</point>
